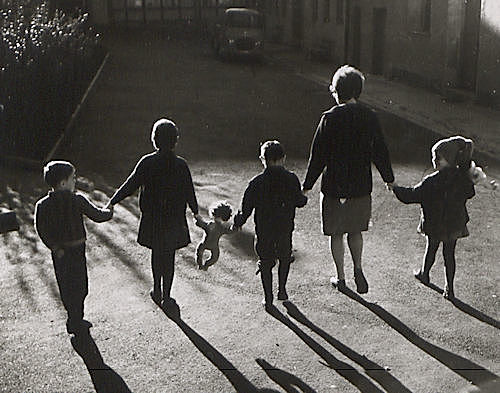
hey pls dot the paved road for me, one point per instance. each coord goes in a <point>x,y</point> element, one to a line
<point>400,337</point>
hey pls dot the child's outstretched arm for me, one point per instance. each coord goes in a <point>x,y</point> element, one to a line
<point>92,211</point>
<point>200,222</point>
<point>300,198</point>
<point>247,206</point>
<point>409,194</point>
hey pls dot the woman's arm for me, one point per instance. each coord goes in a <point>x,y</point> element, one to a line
<point>317,158</point>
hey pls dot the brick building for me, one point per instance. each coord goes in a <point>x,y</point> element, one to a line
<point>452,46</point>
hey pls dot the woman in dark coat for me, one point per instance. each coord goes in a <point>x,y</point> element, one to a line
<point>166,188</point>
<point>347,141</point>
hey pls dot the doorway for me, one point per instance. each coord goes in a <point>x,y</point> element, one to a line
<point>378,54</point>
<point>356,36</point>
<point>470,45</point>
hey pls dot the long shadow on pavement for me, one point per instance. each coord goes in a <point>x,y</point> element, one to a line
<point>468,309</point>
<point>362,383</point>
<point>463,367</point>
<point>104,378</point>
<point>240,383</point>
<point>289,382</point>
<point>372,369</point>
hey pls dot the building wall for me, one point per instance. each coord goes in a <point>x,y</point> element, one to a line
<point>488,78</point>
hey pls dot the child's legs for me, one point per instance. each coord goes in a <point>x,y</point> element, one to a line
<point>214,257</point>
<point>430,255</point>
<point>266,250</point>
<point>449,262</point>
<point>284,255</point>
<point>162,263</point>
<point>72,280</point>
<point>199,253</point>
<point>337,248</point>
<point>355,242</point>
<point>168,272</point>
<point>266,277</point>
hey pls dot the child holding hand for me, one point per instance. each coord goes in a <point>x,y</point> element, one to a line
<point>59,223</point>
<point>443,196</point>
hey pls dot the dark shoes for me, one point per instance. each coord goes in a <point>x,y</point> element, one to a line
<point>420,276</point>
<point>156,297</point>
<point>282,295</point>
<point>448,293</point>
<point>77,327</point>
<point>360,280</point>
<point>339,284</point>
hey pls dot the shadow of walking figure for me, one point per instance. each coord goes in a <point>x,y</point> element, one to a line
<point>240,383</point>
<point>467,369</point>
<point>464,307</point>
<point>362,383</point>
<point>289,382</point>
<point>373,370</point>
<point>104,378</point>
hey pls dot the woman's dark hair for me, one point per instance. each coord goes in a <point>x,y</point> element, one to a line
<point>222,210</point>
<point>164,134</point>
<point>272,151</point>
<point>347,82</point>
<point>57,171</point>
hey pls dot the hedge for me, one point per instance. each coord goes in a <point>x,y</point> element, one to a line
<point>46,63</point>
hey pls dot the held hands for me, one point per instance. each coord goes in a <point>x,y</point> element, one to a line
<point>390,186</point>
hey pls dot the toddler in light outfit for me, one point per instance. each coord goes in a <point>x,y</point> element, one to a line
<point>214,229</point>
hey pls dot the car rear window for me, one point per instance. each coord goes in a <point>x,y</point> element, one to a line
<point>242,19</point>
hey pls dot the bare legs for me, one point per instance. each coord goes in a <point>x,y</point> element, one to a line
<point>355,243</point>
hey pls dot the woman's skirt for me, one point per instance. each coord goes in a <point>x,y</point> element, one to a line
<point>345,215</point>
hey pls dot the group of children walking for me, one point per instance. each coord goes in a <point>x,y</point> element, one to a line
<point>340,153</point>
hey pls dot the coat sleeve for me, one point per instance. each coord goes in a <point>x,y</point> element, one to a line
<point>410,194</point>
<point>381,153</point>
<point>190,194</point>
<point>300,198</point>
<point>92,211</point>
<point>42,227</point>
<point>318,155</point>
<point>247,206</point>
<point>132,184</point>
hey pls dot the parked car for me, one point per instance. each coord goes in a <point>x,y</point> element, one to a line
<point>239,32</point>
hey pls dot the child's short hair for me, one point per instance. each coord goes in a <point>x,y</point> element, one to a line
<point>272,151</point>
<point>456,150</point>
<point>347,82</point>
<point>57,171</point>
<point>164,134</point>
<point>222,210</point>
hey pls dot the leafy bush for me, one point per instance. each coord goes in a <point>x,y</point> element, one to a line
<point>47,60</point>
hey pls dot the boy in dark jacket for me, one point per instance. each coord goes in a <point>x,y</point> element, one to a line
<point>59,223</point>
<point>274,194</point>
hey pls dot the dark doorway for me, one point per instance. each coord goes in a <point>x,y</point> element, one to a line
<point>298,22</point>
<point>379,22</point>
<point>470,44</point>
<point>356,36</point>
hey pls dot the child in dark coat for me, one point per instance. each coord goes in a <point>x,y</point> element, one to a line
<point>274,194</point>
<point>59,223</point>
<point>214,230</point>
<point>166,190</point>
<point>443,196</point>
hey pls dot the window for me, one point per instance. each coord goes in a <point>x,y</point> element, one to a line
<point>340,11</point>
<point>314,10</point>
<point>326,11</point>
<point>420,15</point>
